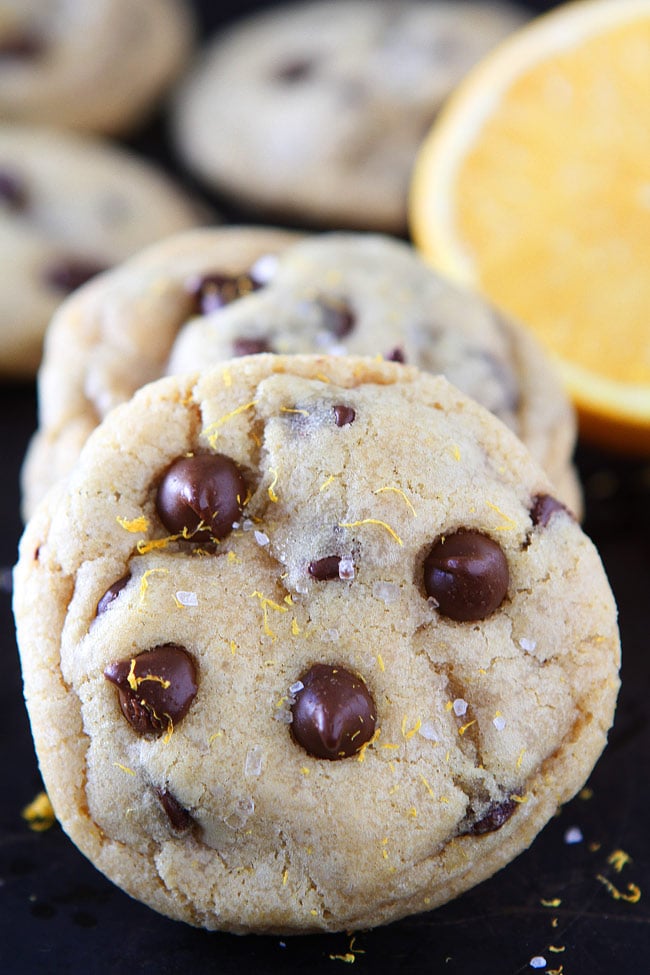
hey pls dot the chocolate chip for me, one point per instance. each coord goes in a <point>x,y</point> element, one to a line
<point>111,594</point>
<point>343,415</point>
<point>13,191</point>
<point>544,507</point>
<point>467,574</point>
<point>214,291</point>
<point>334,713</point>
<point>251,346</point>
<point>179,817</point>
<point>201,496</point>
<point>338,317</point>
<point>497,814</point>
<point>69,273</point>
<point>396,355</point>
<point>21,47</point>
<point>155,688</point>
<point>326,568</point>
<point>293,71</point>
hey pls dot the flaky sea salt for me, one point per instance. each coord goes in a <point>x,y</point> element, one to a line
<point>537,961</point>
<point>253,762</point>
<point>296,688</point>
<point>460,707</point>
<point>261,538</point>
<point>187,598</point>
<point>388,592</point>
<point>499,722</point>
<point>346,568</point>
<point>428,731</point>
<point>527,645</point>
<point>573,835</point>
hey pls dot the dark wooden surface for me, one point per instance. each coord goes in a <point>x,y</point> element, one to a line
<point>57,913</point>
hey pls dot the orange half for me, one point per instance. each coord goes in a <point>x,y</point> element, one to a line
<point>533,186</point>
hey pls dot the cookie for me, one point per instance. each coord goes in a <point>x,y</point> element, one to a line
<point>99,66</point>
<point>334,292</point>
<point>309,644</point>
<point>313,112</point>
<point>71,205</point>
<point>115,335</point>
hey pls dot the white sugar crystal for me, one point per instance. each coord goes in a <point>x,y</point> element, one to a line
<point>296,688</point>
<point>264,268</point>
<point>388,592</point>
<point>346,568</point>
<point>187,598</point>
<point>573,835</point>
<point>247,524</point>
<point>428,731</point>
<point>261,538</point>
<point>253,762</point>
<point>527,645</point>
<point>283,715</point>
<point>537,961</point>
<point>460,707</point>
<point>240,814</point>
<point>499,722</point>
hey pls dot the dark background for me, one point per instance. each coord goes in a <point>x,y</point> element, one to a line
<point>57,913</point>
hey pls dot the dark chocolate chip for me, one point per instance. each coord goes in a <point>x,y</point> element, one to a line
<point>21,47</point>
<point>155,688</point>
<point>326,568</point>
<point>338,317</point>
<point>544,507</point>
<point>497,814</point>
<point>201,496</point>
<point>214,291</point>
<point>178,816</point>
<point>111,594</point>
<point>467,574</point>
<point>293,71</point>
<point>69,273</point>
<point>396,355</point>
<point>343,415</point>
<point>250,346</point>
<point>13,191</point>
<point>334,713</point>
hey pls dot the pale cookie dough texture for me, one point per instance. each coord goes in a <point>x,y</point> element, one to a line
<point>309,645</point>
<point>214,294</point>
<point>98,65</point>
<point>71,205</point>
<point>314,112</point>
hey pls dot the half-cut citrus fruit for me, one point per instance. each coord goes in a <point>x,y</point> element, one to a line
<point>534,187</point>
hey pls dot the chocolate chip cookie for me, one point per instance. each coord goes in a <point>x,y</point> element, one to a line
<point>99,65</point>
<point>335,292</point>
<point>309,644</point>
<point>314,111</point>
<point>71,206</point>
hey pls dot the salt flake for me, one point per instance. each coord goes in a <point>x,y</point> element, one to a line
<point>346,568</point>
<point>388,592</point>
<point>537,961</point>
<point>527,645</point>
<point>261,538</point>
<point>460,707</point>
<point>428,731</point>
<point>187,598</point>
<point>499,722</point>
<point>573,835</point>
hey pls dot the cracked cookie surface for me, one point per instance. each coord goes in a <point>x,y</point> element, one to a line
<point>308,644</point>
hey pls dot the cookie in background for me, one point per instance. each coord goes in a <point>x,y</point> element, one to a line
<point>71,205</point>
<point>98,65</point>
<point>313,112</point>
<point>212,294</point>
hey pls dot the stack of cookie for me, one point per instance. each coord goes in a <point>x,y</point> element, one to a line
<point>311,636</point>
